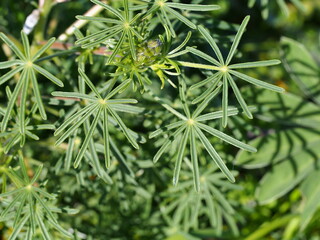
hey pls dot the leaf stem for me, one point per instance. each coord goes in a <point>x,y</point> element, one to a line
<point>197,65</point>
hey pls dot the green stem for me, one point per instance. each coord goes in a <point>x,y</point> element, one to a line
<point>61,53</point>
<point>197,65</point>
<point>269,227</point>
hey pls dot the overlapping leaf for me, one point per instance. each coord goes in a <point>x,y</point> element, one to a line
<point>165,9</point>
<point>98,108</point>
<point>26,65</point>
<point>122,27</point>
<point>29,206</point>
<point>184,209</point>
<point>226,73</point>
<point>191,127</point>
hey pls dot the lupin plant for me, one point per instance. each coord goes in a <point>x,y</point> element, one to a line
<point>126,77</point>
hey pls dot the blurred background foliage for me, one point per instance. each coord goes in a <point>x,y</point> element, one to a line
<point>277,193</point>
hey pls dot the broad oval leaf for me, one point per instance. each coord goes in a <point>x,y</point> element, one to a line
<point>286,175</point>
<point>273,148</point>
<point>285,109</point>
<point>311,192</point>
<point>302,68</point>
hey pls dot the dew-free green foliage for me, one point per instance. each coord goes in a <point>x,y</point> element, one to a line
<point>26,64</point>
<point>265,6</point>
<point>151,91</point>
<point>29,205</point>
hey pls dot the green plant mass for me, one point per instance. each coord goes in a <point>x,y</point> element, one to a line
<point>164,119</point>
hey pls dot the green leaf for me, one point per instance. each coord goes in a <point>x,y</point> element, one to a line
<point>10,63</point>
<point>43,49</point>
<point>166,128</point>
<point>36,175</point>
<point>181,18</point>
<point>217,159</point>
<point>19,227</point>
<point>239,97</point>
<point>118,89</point>
<point>204,56</point>
<point>257,82</point>
<point>98,19</point>
<point>181,150</point>
<point>74,95</point>
<point>285,175</point>
<point>131,44</point>
<point>43,193</point>
<point>124,128</point>
<point>86,111</point>
<point>60,229</point>
<point>43,228</point>
<point>26,45</point>
<point>77,124</point>
<point>11,205</point>
<point>182,94</point>
<point>167,142</point>
<point>283,109</point>
<point>205,102</point>
<point>194,160</point>
<point>37,94</point>
<point>225,100</point>
<point>216,115</point>
<point>23,100</point>
<point>89,135</point>
<point>12,101</point>
<point>12,46</point>
<point>212,78</point>
<point>44,206</point>
<point>255,64</point>
<point>237,39</point>
<point>301,66</point>
<point>10,74</point>
<point>109,8</point>
<point>116,48</point>
<point>193,7</point>
<point>226,138</point>
<point>205,33</point>
<point>48,75</point>
<point>311,194</point>
<point>277,147</point>
<point>98,37</point>
<point>32,213</point>
<point>89,83</point>
<point>106,139</point>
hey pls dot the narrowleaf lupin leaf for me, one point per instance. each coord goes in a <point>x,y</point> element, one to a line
<point>192,128</point>
<point>98,108</point>
<point>164,9</point>
<point>123,27</point>
<point>26,64</point>
<point>30,204</point>
<point>181,202</point>
<point>13,133</point>
<point>226,72</point>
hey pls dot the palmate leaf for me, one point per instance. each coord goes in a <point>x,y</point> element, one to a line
<point>27,66</point>
<point>191,127</point>
<point>184,209</point>
<point>19,130</point>
<point>227,73</point>
<point>101,109</point>
<point>164,7</point>
<point>123,27</point>
<point>30,205</point>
